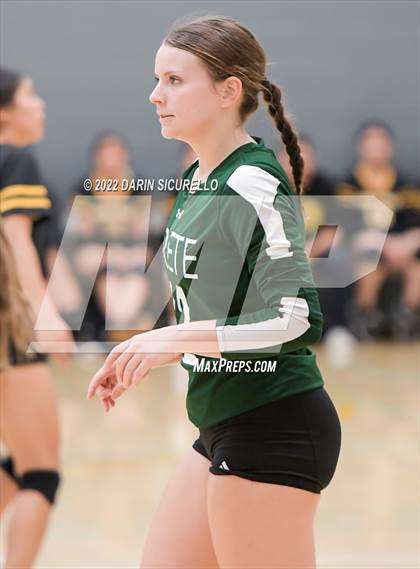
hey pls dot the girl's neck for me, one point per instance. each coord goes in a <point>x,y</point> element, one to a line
<point>214,148</point>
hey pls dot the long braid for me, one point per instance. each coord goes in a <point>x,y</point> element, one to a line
<point>272,96</point>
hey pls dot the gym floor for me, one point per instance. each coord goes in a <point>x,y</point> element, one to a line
<point>115,465</point>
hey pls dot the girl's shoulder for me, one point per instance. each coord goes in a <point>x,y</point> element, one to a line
<point>257,171</point>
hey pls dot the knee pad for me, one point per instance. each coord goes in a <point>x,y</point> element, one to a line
<point>43,481</point>
<point>8,466</point>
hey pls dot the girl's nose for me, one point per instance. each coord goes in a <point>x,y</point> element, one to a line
<point>156,96</point>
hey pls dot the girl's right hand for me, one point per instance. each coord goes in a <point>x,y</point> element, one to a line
<point>105,385</point>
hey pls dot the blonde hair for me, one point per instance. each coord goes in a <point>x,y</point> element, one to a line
<point>16,318</point>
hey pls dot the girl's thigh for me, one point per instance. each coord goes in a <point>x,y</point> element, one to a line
<point>179,535</point>
<point>28,416</point>
<point>256,524</point>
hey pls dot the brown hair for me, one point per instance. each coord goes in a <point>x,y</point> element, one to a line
<point>16,322</point>
<point>9,83</point>
<point>229,49</point>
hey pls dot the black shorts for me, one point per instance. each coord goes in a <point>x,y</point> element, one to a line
<point>293,441</point>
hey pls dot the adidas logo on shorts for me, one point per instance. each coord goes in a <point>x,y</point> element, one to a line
<point>223,466</point>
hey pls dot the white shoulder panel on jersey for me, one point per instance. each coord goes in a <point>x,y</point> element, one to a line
<point>259,188</point>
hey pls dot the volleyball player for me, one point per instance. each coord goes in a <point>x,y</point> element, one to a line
<point>247,493</point>
<point>29,477</point>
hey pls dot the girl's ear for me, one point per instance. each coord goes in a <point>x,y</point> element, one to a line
<point>230,91</point>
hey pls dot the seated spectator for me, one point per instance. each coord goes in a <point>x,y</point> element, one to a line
<point>386,300</point>
<point>121,220</point>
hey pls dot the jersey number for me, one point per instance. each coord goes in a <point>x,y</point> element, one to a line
<point>182,305</point>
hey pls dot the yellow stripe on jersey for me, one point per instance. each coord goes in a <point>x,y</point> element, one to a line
<point>18,190</point>
<point>24,203</point>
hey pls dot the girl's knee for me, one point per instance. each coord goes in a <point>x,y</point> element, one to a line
<point>43,481</point>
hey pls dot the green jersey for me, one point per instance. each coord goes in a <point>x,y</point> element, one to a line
<point>234,253</point>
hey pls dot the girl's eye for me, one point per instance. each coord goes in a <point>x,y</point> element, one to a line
<point>172,80</point>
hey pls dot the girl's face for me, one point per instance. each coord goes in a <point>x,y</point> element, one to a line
<point>25,116</point>
<point>187,100</point>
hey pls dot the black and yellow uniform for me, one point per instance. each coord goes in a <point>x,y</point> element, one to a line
<point>390,316</point>
<point>22,192</point>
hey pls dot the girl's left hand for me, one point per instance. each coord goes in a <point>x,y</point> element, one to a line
<point>129,362</point>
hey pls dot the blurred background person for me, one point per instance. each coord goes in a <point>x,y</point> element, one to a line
<point>120,218</point>
<point>29,476</point>
<point>386,300</point>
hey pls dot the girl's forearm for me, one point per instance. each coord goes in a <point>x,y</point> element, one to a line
<point>197,338</point>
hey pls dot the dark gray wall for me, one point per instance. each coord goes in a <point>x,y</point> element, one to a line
<point>339,62</point>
